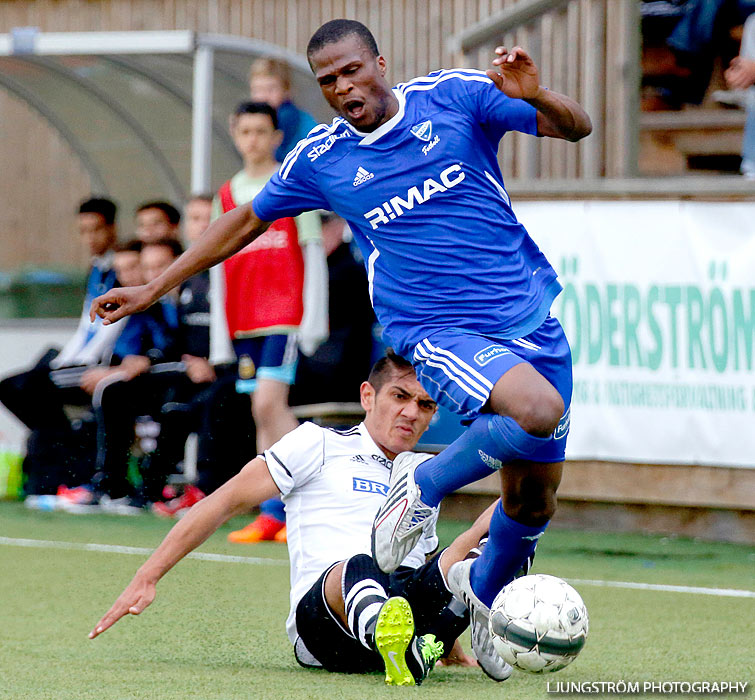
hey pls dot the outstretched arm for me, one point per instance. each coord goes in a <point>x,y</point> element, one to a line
<point>558,116</point>
<point>225,236</point>
<point>252,485</point>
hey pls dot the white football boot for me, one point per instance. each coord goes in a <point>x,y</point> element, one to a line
<point>482,644</point>
<point>399,522</point>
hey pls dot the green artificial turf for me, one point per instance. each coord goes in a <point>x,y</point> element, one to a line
<point>216,629</point>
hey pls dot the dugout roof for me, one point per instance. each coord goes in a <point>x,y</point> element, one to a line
<point>146,112</point>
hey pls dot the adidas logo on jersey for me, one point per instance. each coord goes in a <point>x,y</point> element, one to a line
<point>419,194</point>
<point>362,176</point>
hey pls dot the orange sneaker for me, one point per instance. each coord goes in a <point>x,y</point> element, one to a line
<point>263,529</point>
<point>281,535</point>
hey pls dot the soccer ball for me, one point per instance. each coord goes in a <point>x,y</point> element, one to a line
<point>538,623</point>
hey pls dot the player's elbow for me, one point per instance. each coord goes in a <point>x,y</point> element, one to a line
<point>582,128</point>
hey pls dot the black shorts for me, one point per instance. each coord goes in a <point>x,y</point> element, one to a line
<point>324,642</point>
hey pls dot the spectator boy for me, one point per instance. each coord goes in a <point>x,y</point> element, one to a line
<point>157,221</point>
<point>197,217</point>
<point>120,393</point>
<point>275,288</point>
<point>36,397</point>
<point>270,82</point>
<point>203,398</point>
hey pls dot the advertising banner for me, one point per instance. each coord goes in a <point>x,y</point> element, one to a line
<point>659,308</point>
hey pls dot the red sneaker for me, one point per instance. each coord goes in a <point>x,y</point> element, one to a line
<point>263,529</point>
<point>80,496</point>
<point>178,506</point>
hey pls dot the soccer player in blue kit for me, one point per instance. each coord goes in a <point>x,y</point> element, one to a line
<point>459,286</point>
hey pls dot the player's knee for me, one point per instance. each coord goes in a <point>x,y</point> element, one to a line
<point>533,503</point>
<point>265,406</point>
<point>539,415</point>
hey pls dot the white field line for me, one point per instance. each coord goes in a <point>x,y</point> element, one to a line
<point>726,592</point>
<point>141,551</point>
<point>207,556</point>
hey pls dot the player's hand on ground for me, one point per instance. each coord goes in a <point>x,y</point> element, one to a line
<point>198,370</point>
<point>119,302</point>
<point>515,73</point>
<point>137,596</point>
<point>457,657</point>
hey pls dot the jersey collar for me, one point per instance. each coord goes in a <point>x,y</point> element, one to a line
<point>368,438</point>
<point>369,138</point>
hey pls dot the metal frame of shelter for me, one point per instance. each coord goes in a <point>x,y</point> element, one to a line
<point>128,104</point>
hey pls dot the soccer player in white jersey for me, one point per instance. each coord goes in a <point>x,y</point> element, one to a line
<point>343,608</point>
<point>456,281</point>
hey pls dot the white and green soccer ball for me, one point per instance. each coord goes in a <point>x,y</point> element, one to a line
<point>538,623</point>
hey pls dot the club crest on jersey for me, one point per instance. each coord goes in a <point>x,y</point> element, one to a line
<point>367,486</point>
<point>423,131</point>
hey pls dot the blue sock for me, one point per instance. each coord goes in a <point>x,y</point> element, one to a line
<point>509,544</point>
<point>274,508</point>
<point>489,443</point>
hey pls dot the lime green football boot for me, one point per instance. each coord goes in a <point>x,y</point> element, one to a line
<point>408,659</point>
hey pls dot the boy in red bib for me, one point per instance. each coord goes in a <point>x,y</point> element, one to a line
<point>269,299</point>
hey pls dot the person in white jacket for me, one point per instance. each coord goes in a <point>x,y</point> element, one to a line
<point>37,396</point>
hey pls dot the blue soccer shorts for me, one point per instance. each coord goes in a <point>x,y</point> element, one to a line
<point>265,357</point>
<point>459,368</point>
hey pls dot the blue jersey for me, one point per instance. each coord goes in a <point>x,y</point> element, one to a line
<point>425,199</point>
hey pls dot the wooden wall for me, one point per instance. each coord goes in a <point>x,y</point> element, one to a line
<point>589,50</point>
<point>411,33</point>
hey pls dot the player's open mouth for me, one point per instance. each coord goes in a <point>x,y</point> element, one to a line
<point>354,108</point>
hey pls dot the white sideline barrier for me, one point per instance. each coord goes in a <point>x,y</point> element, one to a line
<point>659,308</point>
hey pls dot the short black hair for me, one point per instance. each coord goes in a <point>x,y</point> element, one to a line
<point>175,246</point>
<point>384,368</point>
<point>99,205</point>
<point>257,108</point>
<point>171,213</point>
<point>132,246</point>
<point>337,29</point>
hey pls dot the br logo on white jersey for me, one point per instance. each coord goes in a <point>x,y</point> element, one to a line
<point>419,194</point>
<point>368,486</point>
<point>424,132</point>
<point>362,176</point>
